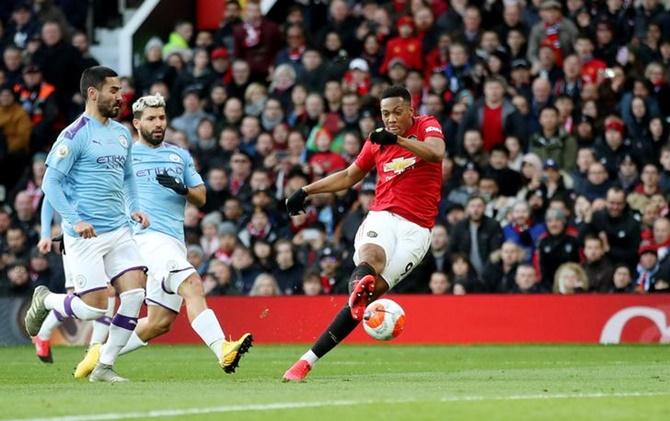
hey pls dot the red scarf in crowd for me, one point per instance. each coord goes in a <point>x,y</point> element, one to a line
<point>553,40</point>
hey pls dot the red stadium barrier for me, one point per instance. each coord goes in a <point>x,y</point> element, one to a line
<point>453,319</point>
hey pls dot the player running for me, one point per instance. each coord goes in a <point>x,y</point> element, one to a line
<point>166,180</point>
<point>395,235</point>
<point>89,181</point>
<point>54,319</point>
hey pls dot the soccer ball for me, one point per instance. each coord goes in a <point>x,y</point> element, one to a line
<point>384,319</point>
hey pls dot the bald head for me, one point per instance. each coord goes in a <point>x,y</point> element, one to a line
<point>661,230</point>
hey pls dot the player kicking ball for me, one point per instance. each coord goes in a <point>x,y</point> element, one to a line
<point>394,237</point>
<point>100,326</point>
<point>166,180</point>
<point>90,182</point>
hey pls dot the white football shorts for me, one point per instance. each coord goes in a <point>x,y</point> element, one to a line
<point>69,281</point>
<point>405,243</point>
<point>95,262</point>
<point>165,257</point>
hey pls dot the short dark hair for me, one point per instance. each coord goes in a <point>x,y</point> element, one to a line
<point>182,22</point>
<point>94,77</point>
<point>397,91</point>
<point>496,79</point>
<point>500,148</point>
<point>593,237</point>
<point>551,108</point>
<point>474,197</point>
<point>650,164</point>
<point>614,189</point>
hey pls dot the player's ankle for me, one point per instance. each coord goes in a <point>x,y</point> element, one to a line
<point>310,357</point>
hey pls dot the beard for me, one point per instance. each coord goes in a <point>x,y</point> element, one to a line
<point>155,138</point>
<point>109,109</point>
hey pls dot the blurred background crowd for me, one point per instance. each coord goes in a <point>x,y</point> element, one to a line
<point>555,113</point>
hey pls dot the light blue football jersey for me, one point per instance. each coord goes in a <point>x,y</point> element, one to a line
<point>98,182</point>
<point>164,206</point>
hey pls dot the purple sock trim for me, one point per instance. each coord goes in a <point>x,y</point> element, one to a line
<point>68,306</point>
<point>59,316</point>
<point>105,320</point>
<point>128,323</point>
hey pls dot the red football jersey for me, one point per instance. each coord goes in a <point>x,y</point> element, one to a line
<point>406,184</point>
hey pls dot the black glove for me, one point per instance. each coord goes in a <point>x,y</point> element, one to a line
<point>381,136</point>
<point>166,180</point>
<point>296,202</point>
<point>61,244</point>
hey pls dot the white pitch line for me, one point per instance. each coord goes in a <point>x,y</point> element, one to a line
<point>193,411</point>
<point>594,395</point>
<point>298,405</point>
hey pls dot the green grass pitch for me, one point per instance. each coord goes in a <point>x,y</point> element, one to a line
<point>382,382</point>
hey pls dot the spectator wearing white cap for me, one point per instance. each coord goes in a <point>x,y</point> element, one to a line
<point>357,78</point>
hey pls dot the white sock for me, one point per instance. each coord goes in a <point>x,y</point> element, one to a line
<point>111,306</point>
<point>101,324</point>
<point>310,357</point>
<point>122,325</point>
<point>72,306</point>
<point>50,323</point>
<point>133,343</point>
<point>208,328</point>
<point>100,330</point>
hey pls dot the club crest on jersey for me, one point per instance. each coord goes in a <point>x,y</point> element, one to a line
<point>398,165</point>
<point>174,157</point>
<point>80,280</point>
<point>123,141</point>
<point>62,151</point>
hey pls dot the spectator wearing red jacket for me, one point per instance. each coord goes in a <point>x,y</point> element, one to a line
<point>257,41</point>
<point>324,161</point>
<point>494,116</point>
<point>405,47</point>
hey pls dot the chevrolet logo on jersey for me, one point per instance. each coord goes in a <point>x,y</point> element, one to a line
<point>399,165</point>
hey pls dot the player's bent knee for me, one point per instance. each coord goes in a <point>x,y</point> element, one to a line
<point>373,255</point>
<point>95,299</point>
<point>192,287</point>
<point>133,279</point>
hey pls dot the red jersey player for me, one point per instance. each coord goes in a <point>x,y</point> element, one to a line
<point>395,235</point>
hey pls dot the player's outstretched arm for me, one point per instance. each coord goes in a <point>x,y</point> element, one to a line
<point>335,182</point>
<point>431,149</point>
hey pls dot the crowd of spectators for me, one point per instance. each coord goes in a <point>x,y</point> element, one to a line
<point>555,114</point>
